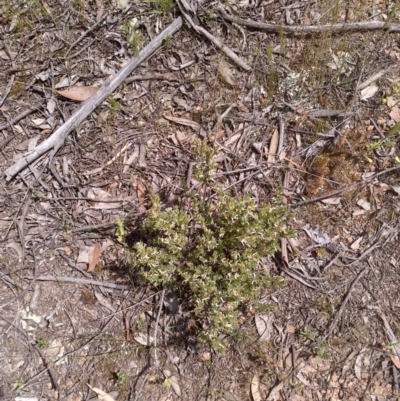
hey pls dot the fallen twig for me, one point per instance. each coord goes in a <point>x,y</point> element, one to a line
<point>83,281</point>
<point>199,29</point>
<point>56,140</point>
<point>48,364</point>
<point>346,299</point>
<point>349,27</point>
<point>345,189</point>
<point>19,117</point>
<point>84,34</point>
<point>157,362</point>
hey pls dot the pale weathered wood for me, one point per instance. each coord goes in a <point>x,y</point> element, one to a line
<point>56,140</point>
<point>309,29</point>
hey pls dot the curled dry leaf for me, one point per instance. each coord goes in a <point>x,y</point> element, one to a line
<point>79,93</point>
<point>255,388</point>
<point>94,257</point>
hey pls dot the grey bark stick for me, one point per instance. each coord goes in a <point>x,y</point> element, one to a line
<point>308,29</point>
<point>56,140</point>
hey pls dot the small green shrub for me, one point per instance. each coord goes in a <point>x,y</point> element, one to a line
<point>165,5</point>
<point>210,252</point>
<point>121,378</point>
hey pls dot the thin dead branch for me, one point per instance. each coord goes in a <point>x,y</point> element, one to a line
<point>346,189</point>
<point>57,139</point>
<point>19,117</point>
<point>346,300</point>
<point>199,29</point>
<point>82,281</point>
<point>333,28</point>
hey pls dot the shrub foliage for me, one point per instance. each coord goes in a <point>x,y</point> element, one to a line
<point>210,254</point>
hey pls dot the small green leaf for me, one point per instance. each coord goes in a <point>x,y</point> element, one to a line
<point>394,130</point>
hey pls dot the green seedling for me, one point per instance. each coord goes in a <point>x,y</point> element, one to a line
<point>18,384</point>
<point>41,343</point>
<point>38,196</point>
<point>114,105</point>
<point>120,231</point>
<point>121,378</point>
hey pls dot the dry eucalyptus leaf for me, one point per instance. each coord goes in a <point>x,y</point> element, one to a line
<point>143,339</point>
<point>395,114</point>
<point>396,361</point>
<point>79,93</point>
<point>104,301</point>
<point>391,101</point>
<point>28,144</point>
<point>331,201</point>
<point>99,194</point>
<point>94,257</point>
<point>175,385</point>
<point>17,248</point>
<point>317,236</point>
<point>255,388</point>
<point>101,395</point>
<point>364,204</point>
<point>274,394</point>
<point>359,363</point>
<point>51,105</point>
<point>39,121</point>
<point>100,11</point>
<point>273,147</point>
<point>3,55</point>
<point>83,256</point>
<point>396,188</point>
<point>64,82</point>
<point>264,326</point>
<point>368,92</point>
<point>226,73</point>
<point>355,246</point>
<point>183,121</point>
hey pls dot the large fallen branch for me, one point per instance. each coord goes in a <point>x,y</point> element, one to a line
<point>348,27</point>
<point>56,140</point>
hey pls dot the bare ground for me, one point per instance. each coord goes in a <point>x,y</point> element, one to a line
<point>332,331</point>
